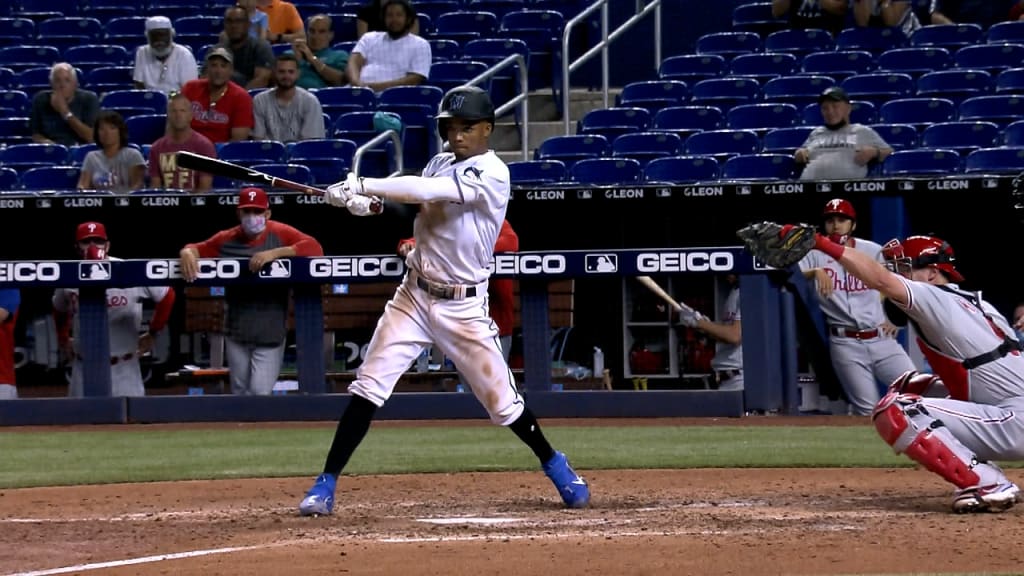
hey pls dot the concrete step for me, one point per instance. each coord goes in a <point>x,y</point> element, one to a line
<point>505,137</point>
<point>544,120</point>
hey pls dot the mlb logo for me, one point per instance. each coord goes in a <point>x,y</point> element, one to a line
<point>339,289</point>
<point>824,187</point>
<point>94,270</point>
<point>43,203</point>
<point>663,192</point>
<point>121,202</point>
<point>906,185</point>
<point>277,269</point>
<point>743,190</point>
<point>199,201</point>
<point>990,183</point>
<point>584,194</point>
<point>277,199</point>
<point>602,263</point>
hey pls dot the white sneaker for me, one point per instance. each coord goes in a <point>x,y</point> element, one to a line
<point>992,498</point>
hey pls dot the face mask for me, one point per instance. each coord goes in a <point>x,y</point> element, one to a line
<point>253,224</point>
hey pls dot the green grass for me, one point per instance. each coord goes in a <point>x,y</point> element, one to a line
<point>138,454</point>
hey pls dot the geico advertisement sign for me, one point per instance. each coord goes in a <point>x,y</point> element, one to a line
<point>525,264</point>
<point>29,271</point>
<point>208,269</point>
<point>356,267</point>
<point>691,261</point>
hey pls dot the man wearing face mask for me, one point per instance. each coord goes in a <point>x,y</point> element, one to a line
<point>256,320</point>
<point>161,64</point>
<point>839,150</point>
<point>396,57</point>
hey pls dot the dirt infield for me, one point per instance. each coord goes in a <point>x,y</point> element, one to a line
<point>709,521</point>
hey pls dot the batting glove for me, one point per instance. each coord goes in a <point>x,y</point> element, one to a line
<point>689,317</point>
<point>364,205</point>
<point>338,194</point>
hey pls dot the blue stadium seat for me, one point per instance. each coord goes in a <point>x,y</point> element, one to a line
<point>723,144</point>
<point>465,25</point>
<point>861,112</point>
<point>146,128</point>
<point>294,172</point>
<point>879,87</point>
<point>344,24</point>
<point>359,128</point>
<point>528,19</point>
<point>612,122</point>
<point>416,106</point>
<point>797,90</point>
<point>281,48</point>
<point>759,167</point>
<point>1010,81</point>
<point>921,162</point>
<point>870,39</point>
<point>9,180</point>
<point>692,68</point>
<point>799,42</point>
<point>448,75</point>
<point>20,29</point>
<point>1005,33</point>
<point>763,117</point>
<point>606,171</point>
<point>50,178</point>
<point>434,8</point>
<point>139,99</point>
<point>956,84</point>
<point>949,36</point>
<point>688,120</point>
<point>681,169</point>
<point>537,172</point>
<point>918,111</point>
<point>21,157</point>
<point>914,61</point>
<point>442,50</point>
<point>571,149</point>
<point>646,146</point>
<point>840,64</point>
<point>996,160</point>
<point>324,171</point>
<point>32,80</point>
<point>757,17</point>
<point>992,58</point>
<point>786,140</point>
<point>725,92</point>
<point>1013,134</point>
<point>344,46</point>
<point>728,44</point>
<point>338,100</point>
<point>127,27</point>
<point>963,137</point>
<point>77,153</point>
<point>22,57</point>
<point>542,32</point>
<point>97,55</point>
<point>16,100</point>
<point>70,26</point>
<point>505,84</point>
<point>326,148</point>
<point>764,67</point>
<point>108,79</point>
<point>1001,109</point>
<point>198,29</point>
<point>898,136</point>
<point>6,78</point>
<point>15,129</point>
<point>497,7</point>
<point>428,97</point>
<point>425,21</point>
<point>251,152</point>
<point>654,95</point>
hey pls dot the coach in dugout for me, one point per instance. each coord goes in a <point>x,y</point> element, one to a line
<point>839,150</point>
<point>257,316</point>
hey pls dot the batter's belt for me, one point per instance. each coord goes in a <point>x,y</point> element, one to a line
<point>447,291</point>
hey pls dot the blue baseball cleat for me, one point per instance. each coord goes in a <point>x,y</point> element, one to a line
<point>571,486</point>
<point>319,501</point>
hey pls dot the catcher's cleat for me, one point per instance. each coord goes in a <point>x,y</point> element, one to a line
<point>319,501</point>
<point>571,486</point>
<point>993,498</point>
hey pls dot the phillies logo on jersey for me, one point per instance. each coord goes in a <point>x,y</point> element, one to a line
<point>847,284</point>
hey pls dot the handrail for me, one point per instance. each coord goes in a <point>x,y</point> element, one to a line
<point>523,97</point>
<point>602,46</point>
<point>357,158</point>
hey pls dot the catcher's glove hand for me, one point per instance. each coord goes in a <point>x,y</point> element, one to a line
<point>778,245</point>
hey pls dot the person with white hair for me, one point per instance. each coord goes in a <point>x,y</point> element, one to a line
<point>161,64</point>
<point>65,114</point>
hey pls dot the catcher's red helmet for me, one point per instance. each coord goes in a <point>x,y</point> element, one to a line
<point>840,207</point>
<point>922,252</point>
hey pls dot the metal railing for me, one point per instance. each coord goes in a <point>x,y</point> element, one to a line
<point>357,158</point>
<point>522,98</point>
<point>602,46</point>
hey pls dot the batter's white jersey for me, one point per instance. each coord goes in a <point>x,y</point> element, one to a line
<point>851,304</point>
<point>455,241</point>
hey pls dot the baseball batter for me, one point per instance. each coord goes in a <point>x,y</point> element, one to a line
<point>124,312</point>
<point>861,341</point>
<point>443,299</point>
<point>970,346</point>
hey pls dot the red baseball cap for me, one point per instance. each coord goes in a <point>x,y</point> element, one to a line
<point>253,197</point>
<point>90,230</point>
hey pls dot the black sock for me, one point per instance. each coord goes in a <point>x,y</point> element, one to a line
<point>352,428</point>
<point>528,430</point>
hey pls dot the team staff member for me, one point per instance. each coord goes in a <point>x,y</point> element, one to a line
<point>124,313</point>
<point>463,196</point>
<point>257,316</point>
<point>10,300</point>
<point>221,109</point>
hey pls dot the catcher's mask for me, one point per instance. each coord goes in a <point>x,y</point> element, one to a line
<point>921,252</point>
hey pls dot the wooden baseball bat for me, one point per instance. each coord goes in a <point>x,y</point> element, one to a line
<point>236,172</point>
<point>659,291</point>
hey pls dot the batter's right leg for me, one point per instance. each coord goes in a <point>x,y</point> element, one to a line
<point>239,368</point>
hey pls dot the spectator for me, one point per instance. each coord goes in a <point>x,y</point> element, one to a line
<point>839,150</point>
<point>124,312</point>
<point>257,316</point>
<point>221,109</point>
<point>393,58</point>
<point>287,113</point>
<point>886,13</point>
<point>824,14</point>
<point>285,24</point>
<point>10,300</point>
<point>727,365</point>
<point>161,64</point>
<point>64,114</point>
<point>259,24</point>
<point>180,137</point>
<point>252,58</point>
<point>319,64</point>
<point>370,18</point>
<point>115,166</point>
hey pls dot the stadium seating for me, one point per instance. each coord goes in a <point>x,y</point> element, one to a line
<point>914,61</point>
<point>108,79</point>
<point>654,95</point>
<point>336,101</point>
<point>151,100</point>
<point>434,8</point>
<point>451,74</point>
<point>898,136</point>
<point>329,160</point>
<point>497,7</point>
<point>72,26</point>
<point>763,117</point>
<point>541,30</point>
<point>963,137</point>
<point>646,146</point>
<point>797,90</point>
<point>606,171</point>
<point>50,178</point>
<point>840,64</point>
<point>1001,109</point>
<point>949,36</point>
<point>505,84</point>
<point>537,172</point>
<point>6,78</point>
<point>993,58</point>
<point>681,169</point>
<point>799,42</point>
<point>922,161</point>
<point>759,167</point>
<point>723,144</point>
<point>757,18</point>
<point>98,55</point>
<point>294,172</point>
<point>16,100</point>
<point>687,120</point>
<point>13,129</point>
<point>861,112</point>
<point>1010,81</point>
<point>146,128</point>
<point>1005,33</point>
<point>728,44</point>
<point>76,154</point>
<point>870,39</point>
<point>23,57</point>
<point>443,50</point>
<point>32,80</point>
<point>917,111</point>
<point>786,140</point>
<point>1013,135</point>
<point>879,87</point>
<point>996,160</point>
<point>22,157</point>
<point>692,68</point>
<point>571,149</point>
<point>612,122</point>
<point>725,93</point>
<point>956,84</point>
<point>9,180</point>
<point>764,67</point>
<point>127,28</point>
<point>17,29</point>
<point>251,152</point>
<point>463,26</point>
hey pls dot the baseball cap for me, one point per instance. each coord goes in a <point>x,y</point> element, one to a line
<point>220,52</point>
<point>252,197</point>
<point>835,94</point>
<point>158,23</point>
<point>90,230</point>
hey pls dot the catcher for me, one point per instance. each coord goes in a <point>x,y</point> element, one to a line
<point>966,341</point>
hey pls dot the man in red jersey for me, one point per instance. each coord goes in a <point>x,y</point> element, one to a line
<point>221,109</point>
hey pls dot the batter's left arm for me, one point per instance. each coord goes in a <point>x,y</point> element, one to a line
<point>413,189</point>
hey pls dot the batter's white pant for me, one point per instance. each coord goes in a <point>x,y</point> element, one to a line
<point>461,329</point>
<point>254,369</point>
<point>8,392</point>
<point>861,364</point>
<point>991,432</point>
<point>506,348</point>
<point>125,379</point>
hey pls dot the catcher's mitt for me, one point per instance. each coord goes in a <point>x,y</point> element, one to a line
<point>778,245</point>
